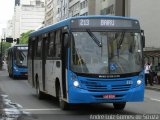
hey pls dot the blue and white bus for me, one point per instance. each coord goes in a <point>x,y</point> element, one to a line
<point>88,59</point>
<point>17,61</point>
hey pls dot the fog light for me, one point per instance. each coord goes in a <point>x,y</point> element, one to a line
<point>76,83</point>
<point>139,82</point>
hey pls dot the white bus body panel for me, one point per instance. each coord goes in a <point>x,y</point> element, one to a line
<point>38,71</point>
<point>30,72</point>
<point>51,73</point>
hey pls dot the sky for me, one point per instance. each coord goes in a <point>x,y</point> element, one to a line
<point>6,12</point>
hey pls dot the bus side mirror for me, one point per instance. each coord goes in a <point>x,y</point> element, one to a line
<point>143,38</point>
<point>143,41</point>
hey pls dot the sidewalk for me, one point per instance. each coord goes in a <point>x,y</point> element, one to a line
<point>154,87</point>
<point>3,70</point>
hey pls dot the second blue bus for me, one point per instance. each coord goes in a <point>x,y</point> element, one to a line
<point>17,61</point>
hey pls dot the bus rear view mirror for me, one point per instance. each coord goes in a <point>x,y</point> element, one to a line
<point>143,41</point>
<point>143,38</point>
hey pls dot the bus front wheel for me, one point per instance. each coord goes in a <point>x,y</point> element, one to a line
<point>63,105</point>
<point>119,106</point>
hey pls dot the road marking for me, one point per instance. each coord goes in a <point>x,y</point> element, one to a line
<point>46,109</point>
<point>155,99</point>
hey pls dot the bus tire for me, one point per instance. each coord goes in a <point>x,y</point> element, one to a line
<point>38,91</point>
<point>63,105</point>
<point>119,106</point>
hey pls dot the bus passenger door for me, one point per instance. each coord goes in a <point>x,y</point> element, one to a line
<point>65,36</point>
<point>31,62</point>
<point>44,63</point>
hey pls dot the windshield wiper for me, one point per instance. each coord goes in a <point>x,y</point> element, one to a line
<point>119,43</point>
<point>121,40</point>
<point>94,38</point>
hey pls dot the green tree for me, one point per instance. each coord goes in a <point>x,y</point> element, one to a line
<point>5,46</point>
<point>24,37</point>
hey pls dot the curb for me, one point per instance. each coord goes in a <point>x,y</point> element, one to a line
<point>153,88</point>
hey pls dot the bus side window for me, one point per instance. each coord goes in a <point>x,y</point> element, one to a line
<point>39,47</point>
<point>65,38</point>
<point>58,44</point>
<point>36,46</point>
<point>47,45</point>
<point>51,51</point>
<point>64,49</point>
<point>30,51</point>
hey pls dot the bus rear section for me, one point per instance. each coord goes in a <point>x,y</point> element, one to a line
<point>17,61</point>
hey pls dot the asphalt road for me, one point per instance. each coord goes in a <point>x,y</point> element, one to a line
<point>19,91</point>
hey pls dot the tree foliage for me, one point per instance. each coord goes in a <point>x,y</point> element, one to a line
<point>24,37</point>
<point>5,46</point>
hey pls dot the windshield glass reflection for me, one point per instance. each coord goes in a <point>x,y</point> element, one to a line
<point>21,57</point>
<point>106,52</point>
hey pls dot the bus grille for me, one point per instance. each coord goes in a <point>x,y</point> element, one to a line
<point>24,73</point>
<point>95,86</point>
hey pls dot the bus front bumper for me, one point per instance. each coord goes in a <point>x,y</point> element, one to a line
<point>21,72</point>
<point>77,95</point>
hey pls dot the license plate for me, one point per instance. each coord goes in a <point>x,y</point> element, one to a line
<point>109,96</point>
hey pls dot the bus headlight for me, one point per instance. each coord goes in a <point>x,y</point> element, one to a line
<point>75,80</point>
<point>15,68</point>
<point>139,82</point>
<point>76,83</point>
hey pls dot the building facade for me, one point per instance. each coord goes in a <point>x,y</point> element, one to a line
<point>142,10</point>
<point>49,12</point>
<point>9,29</point>
<point>147,12</point>
<point>55,10</point>
<point>16,22</point>
<point>32,16</point>
<point>28,15</point>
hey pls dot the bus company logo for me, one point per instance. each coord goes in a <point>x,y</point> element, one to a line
<point>109,76</point>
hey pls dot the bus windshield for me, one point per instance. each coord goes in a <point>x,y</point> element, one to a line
<point>106,52</point>
<point>21,57</point>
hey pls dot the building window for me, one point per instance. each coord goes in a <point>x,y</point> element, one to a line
<point>74,8</point>
<point>76,14</point>
<point>84,4</point>
<point>38,47</point>
<point>70,0</point>
<point>109,10</point>
<point>59,10</point>
<point>58,2</point>
<point>51,51</point>
<point>85,14</point>
<point>58,44</point>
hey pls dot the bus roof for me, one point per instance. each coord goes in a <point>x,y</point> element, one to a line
<point>19,45</point>
<point>67,22</point>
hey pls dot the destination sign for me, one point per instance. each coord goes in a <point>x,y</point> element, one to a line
<point>22,48</point>
<point>105,23</point>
